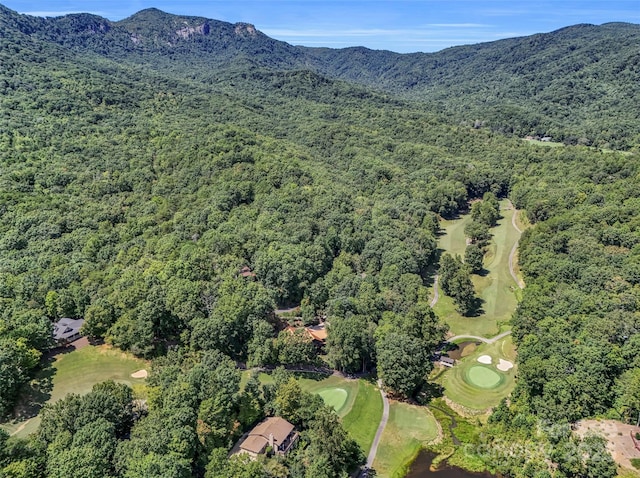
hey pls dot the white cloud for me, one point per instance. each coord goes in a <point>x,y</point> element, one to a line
<point>276,32</point>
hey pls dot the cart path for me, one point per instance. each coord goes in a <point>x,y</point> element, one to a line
<point>513,218</point>
<point>381,427</point>
<point>436,292</point>
<point>481,339</point>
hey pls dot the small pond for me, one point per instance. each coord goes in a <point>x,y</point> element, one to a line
<point>421,468</point>
<point>457,350</point>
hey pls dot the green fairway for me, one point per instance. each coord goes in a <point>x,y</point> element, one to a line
<point>477,386</point>
<point>409,428</point>
<point>363,419</point>
<point>497,288</point>
<point>453,240</point>
<point>77,372</point>
<point>483,376</point>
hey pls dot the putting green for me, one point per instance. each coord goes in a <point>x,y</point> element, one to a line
<point>334,397</point>
<point>484,377</point>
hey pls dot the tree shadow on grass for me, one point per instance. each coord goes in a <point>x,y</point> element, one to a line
<point>36,392</point>
<point>476,309</point>
<point>430,391</point>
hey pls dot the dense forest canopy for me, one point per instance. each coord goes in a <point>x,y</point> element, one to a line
<point>144,165</point>
<point>553,84</point>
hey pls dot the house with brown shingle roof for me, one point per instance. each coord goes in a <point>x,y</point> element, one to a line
<point>274,432</point>
<point>316,333</point>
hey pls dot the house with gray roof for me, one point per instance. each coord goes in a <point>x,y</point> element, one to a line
<point>67,330</point>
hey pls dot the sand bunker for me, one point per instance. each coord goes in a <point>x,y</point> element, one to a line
<point>140,374</point>
<point>504,365</point>
<point>486,359</point>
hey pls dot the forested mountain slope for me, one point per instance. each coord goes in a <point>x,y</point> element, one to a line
<point>133,190</point>
<point>553,84</point>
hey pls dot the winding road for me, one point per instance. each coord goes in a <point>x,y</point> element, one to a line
<point>381,426</point>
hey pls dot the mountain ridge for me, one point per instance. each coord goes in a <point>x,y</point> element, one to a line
<point>554,84</point>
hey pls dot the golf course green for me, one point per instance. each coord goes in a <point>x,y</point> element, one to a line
<point>478,386</point>
<point>482,376</point>
<point>336,398</point>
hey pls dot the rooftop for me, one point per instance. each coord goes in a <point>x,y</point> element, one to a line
<point>258,438</point>
<point>66,328</point>
<point>318,332</point>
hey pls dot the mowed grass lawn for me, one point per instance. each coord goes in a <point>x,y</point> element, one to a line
<point>497,288</point>
<point>363,419</point>
<point>408,430</point>
<point>453,240</point>
<point>78,371</point>
<point>458,388</point>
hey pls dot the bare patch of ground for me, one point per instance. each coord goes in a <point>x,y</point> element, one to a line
<point>620,443</point>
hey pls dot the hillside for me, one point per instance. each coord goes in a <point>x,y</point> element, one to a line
<point>145,163</point>
<point>553,84</point>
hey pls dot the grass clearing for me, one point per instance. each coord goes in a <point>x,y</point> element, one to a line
<point>364,417</point>
<point>548,144</point>
<point>263,378</point>
<point>479,387</point>
<point>496,289</point>
<point>77,372</point>
<point>408,430</point>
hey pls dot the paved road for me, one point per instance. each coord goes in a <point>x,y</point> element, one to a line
<point>436,292</point>
<point>481,339</point>
<point>381,426</point>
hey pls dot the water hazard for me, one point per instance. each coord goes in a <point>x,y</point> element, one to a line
<point>421,468</point>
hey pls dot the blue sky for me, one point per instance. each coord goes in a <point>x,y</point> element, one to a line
<point>397,25</point>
